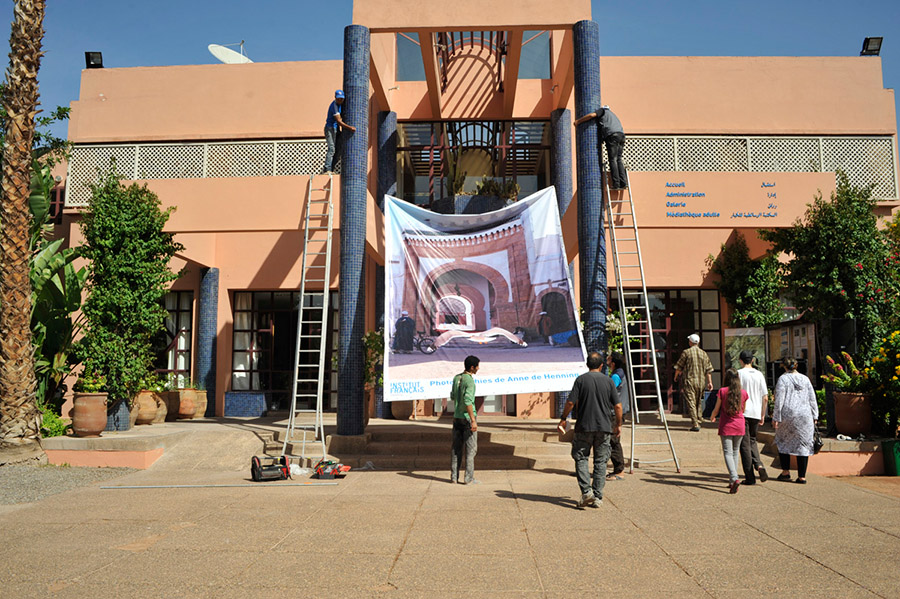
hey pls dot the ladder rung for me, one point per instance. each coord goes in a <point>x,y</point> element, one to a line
<point>651,442</point>
<point>304,411</point>
<point>623,280</point>
<point>640,461</point>
<point>647,397</point>
<point>316,253</point>
<point>649,411</point>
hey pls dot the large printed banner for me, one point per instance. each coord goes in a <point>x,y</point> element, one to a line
<point>492,285</point>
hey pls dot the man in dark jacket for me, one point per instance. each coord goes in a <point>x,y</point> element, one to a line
<point>599,415</point>
<point>612,133</point>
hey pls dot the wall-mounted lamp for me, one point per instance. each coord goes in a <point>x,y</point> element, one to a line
<point>871,46</point>
<point>93,60</point>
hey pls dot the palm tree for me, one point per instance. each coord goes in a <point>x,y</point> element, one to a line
<point>20,418</point>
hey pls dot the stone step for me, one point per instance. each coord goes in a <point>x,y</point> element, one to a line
<point>426,449</point>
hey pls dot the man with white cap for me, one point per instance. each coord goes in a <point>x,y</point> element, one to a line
<point>694,364</point>
<point>333,121</point>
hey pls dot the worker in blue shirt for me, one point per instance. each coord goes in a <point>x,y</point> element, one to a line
<point>332,132</point>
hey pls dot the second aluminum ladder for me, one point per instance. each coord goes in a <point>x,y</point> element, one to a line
<point>637,334</point>
<point>311,351</point>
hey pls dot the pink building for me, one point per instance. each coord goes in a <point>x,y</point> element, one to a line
<point>715,145</point>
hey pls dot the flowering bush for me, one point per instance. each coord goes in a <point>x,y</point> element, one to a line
<point>885,376</point>
<point>847,377</point>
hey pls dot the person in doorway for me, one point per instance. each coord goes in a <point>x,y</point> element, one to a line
<point>754,383</point>
<point>465,425</point>
<point>611,133</point>
<point>694,365</point>
<point>794,417</point>
<point>545,327</point>
<point>333,126</point>
<point>598,415</point>
<point>731,401</point>
<point>404,331</point>
<point>616,365</point>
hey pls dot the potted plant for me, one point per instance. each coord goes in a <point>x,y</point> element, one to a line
<point>128,257</point>
<point>191,401</point>
<point>885,384</point>
<point>89,413</point>
<point>852,406</point>
<point>152,398</point>
<point>373,367</point>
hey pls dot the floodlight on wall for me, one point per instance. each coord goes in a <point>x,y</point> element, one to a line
<point>871,46</point>
<point>93,60</point>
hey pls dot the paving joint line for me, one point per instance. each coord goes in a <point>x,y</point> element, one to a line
<point>406,536</point>
<point>812,559</point>
<point>527,537</point>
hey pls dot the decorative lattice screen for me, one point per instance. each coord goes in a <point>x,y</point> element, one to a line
<point>715,154</point>
<point>785,155</point>
<point>866,161</point>
<point>191,161</point>
<point>86,163</point>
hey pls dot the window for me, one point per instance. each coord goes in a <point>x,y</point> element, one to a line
<point>409,58</point>
<point>264,345</point>
<point>172,347</point>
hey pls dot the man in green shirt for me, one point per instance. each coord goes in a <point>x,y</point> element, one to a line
<point>465,428</point>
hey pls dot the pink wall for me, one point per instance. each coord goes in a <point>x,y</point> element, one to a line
<point>401,15</point>
<point>199,102</point>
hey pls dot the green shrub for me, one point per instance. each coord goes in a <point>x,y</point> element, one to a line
<point>128,275</point>
<point>52,425</point>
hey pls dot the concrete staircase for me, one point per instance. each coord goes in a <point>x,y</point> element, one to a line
<point>503,444</point>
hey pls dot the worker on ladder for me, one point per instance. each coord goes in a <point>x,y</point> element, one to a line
<point>611,133</point>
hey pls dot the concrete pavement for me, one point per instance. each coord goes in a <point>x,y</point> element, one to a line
<point>412,534</point>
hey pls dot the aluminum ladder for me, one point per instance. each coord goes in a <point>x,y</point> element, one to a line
<point>309,362</point>
<point>637,334</point>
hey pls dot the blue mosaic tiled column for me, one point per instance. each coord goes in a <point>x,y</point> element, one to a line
<point>353,232</point>
<point>561,156</point>
<point>561,177</point>
<point>591,236</point>
<point>207,330</point>
<point>387,185</point>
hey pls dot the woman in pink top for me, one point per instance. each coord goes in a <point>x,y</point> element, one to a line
<point>731,425</point>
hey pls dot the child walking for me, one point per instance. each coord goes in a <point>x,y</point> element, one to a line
<point>730,400</point>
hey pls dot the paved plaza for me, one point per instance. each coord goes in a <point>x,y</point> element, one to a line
<point>396,534</point>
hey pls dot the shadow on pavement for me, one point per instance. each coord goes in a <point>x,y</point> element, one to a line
<point>700,480</point>
<point>560,501</point>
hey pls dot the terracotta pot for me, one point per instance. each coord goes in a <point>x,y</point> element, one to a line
<point>199,403</point>
<point>186,404</point>
<point>146,405</point>
<point>401,410</point>
<point>852,413</point>
<point>162,405</point>
<point>173,401</point>
<point>89,414</point>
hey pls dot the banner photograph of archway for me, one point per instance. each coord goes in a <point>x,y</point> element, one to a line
<point>493,285</point>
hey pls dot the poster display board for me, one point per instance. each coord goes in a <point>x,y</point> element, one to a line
<point>492,285</point>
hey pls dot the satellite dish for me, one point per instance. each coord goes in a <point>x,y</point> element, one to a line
<point>227,55</point>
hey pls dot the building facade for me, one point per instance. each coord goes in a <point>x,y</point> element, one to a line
<point>716,146</point>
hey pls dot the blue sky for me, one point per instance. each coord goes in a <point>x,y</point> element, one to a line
<point>164,32</point>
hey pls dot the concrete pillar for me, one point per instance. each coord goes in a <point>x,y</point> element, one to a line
<point>207,331</point>
<point>591,234</point>
<point>561,177</point>
<point>387,185</point>
<point>355,112</point>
